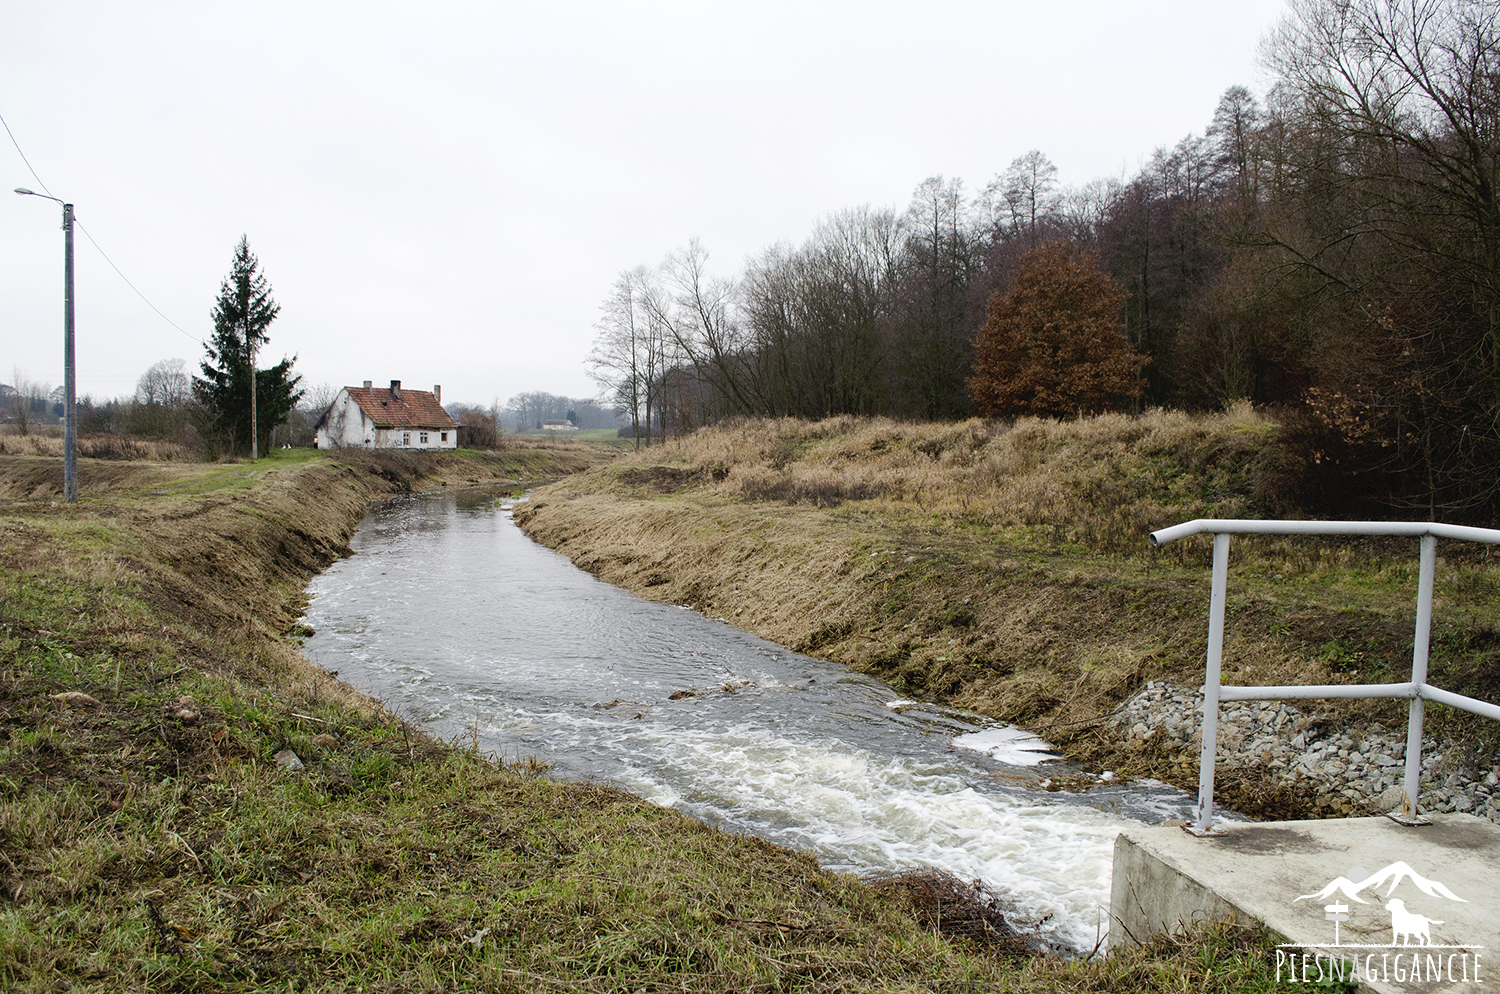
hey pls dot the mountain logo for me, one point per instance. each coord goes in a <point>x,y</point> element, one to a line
<point>1395,873</point>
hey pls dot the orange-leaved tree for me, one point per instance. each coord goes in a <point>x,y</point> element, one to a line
<point>1054,344</point>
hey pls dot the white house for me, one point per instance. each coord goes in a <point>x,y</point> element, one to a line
<point>376,418</point>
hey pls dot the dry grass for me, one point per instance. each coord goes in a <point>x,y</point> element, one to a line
<point>1006,567</point>
<point>113,447</point>
<point>150,842</point>
<point>1103,481</point>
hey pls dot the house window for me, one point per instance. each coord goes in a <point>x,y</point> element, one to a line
<point>423,438</point>
<point>406,438</point>
<point>443,437</point>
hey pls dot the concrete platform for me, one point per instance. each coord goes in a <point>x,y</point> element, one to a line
<point>1445,878</point>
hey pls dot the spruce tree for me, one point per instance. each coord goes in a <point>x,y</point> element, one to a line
<point>243,312</point>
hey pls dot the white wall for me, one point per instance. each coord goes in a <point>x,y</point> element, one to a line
<point>347,426</point>
<point>411,438</point>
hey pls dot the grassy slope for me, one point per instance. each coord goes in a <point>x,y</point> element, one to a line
<point>1007,568</point>
<point>149,841</point>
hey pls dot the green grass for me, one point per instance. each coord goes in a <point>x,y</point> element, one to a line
<point>605,436</point>
<point>150,842</point>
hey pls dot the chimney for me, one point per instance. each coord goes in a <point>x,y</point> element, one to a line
<point>396,389</point>
<point>437,393</point>
<point>368,384</point>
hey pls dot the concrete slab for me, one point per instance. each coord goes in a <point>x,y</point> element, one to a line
<point>1438,884</point>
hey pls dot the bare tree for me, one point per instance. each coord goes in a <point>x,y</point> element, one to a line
<point>29,398</point>
<point>1234,133</point>
<point>1190,172</point>
<point>20,386</point>
<point>628,357</point>
<point>933,322</point>
<point>164,383</point>
<point>481,425</point>
<point>615,360</point>
<point>1028,192</point>
<point>320,398</point>
<point>315,409</point>
<point>669,366</point>
<point>698,313</point>
<point>1391,209</point>
<point>1083,210</point>
<point>817,316</point>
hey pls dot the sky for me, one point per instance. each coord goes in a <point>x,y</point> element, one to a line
<point>443,193</point>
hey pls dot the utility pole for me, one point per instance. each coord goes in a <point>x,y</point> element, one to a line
<point>70,431</point>
<point>70,427</point>
<point>254,435</point>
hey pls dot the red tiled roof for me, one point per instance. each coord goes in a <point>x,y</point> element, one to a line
<point>414,409</point>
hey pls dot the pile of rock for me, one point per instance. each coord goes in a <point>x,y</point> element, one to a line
<point>1347,771</point>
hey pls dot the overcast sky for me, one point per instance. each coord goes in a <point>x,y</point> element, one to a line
<point>443,192</point>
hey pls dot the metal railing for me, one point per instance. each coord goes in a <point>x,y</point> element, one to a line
<point>1417,689</point>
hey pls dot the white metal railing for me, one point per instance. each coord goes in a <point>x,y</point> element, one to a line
<point>1416,689</point>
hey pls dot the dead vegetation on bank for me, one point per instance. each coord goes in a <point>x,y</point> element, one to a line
<point>151,838</point>
<point>111,447</point>
<point>1005,566</point>
<point>1101,481</point>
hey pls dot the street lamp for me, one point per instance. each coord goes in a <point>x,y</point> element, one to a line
<point>70,437</point>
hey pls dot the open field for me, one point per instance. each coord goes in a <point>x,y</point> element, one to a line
<point>151,841</point>
<point>609,437</point>
<point>1006,568</point>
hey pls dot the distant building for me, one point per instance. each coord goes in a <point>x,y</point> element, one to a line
<point>376,418</point>
<point>559,426</point>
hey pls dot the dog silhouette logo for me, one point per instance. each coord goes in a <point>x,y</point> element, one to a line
<point>1407,926</point>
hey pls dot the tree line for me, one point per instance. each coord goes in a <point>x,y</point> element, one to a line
<point>165,407</point>
<point>528,411</point>
<point>1329,249</point>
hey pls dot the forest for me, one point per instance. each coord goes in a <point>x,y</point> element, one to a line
<point>1328,251</point>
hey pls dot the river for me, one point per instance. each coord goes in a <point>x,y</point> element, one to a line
<point>456,620</point>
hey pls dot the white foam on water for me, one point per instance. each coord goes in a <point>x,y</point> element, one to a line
<point>1008,744</point>
<point>860,812</point>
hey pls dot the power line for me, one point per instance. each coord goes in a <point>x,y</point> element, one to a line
<point>23,156</point>
<point>130,284</point>
<point>90,237</point>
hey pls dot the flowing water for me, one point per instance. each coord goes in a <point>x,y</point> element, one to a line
<point>455,619</point>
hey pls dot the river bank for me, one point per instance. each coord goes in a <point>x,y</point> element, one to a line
<point>1005,568</point>
<point>187,804</point>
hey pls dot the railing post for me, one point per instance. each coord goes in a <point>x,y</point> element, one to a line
<point>1205,812</point>
<point>1420,642</point>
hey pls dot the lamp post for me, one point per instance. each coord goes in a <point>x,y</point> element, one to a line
<point>70,438</point>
